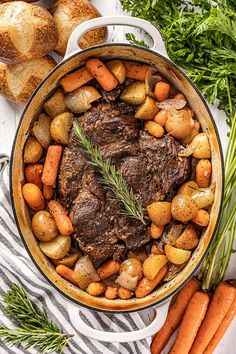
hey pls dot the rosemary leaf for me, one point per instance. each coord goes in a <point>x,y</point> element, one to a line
<point>110,176</point>
<point>35,328</point>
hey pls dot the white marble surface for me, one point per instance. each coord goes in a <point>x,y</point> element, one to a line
<point>10,115</point>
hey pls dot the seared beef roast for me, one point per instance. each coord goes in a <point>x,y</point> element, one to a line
<point>150,166</point>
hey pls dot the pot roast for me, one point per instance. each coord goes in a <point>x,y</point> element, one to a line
<point>150,166</point>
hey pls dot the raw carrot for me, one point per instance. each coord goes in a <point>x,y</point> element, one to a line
<point>66,273</point>
<point>135,70</point>
<point>229,317</point>
<point>175,315</point>
<point>51,165</point>
<point>76,79</point>
<point>190,324</point>
<point>102,74</point>
<point>61,218</point>
<point>221,302</point>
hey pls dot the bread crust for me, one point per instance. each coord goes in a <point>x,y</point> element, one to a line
<point>27,31</point>
<point>70,13</point>
<point>19,88</point>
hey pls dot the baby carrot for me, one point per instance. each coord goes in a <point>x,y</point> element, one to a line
<point>145,286</point>
<point>229,317</point>
<point>76,79</point>
<point>51,165</point>
<point>135,70</point>
<point>108,268</point>
<point>192,320</point>
<point>66,273</point>
<point>102,74</point>
<point>221,302</point>
<point>61,218</point>
<point>175,315</point>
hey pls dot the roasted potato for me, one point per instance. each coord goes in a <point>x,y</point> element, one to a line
<point>56,248</point>
<point>176,255</point>
<point>183,208</point>
<point>153,264</point>
<point>188,239</point>
<point>60,127</point>
<point>147,110</point>
<point>203,173</point>
<point>85,272</point>
<point>55,105</point>
<point>202,218</point>
<point>195,130</point>
<point>44,226</point>
<point>132,266</point>
<point>198,148</point>
<point>80,100</point>
<point>204,197</point>
<point>159,212</point>
<point>134,93</point>
<point>33,150</point>
<point>69,260</point>
<point>41,130</point>
<point>33,196</point>
<point>118,70</point>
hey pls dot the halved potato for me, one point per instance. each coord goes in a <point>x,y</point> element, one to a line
<point>60,127</point>
<point>118,70</point>
<point>153,264</point>
<point>177,255</point>
<point>183,207</point>
<point>69,260</point>
<point>55,105</point>
<point>188,239</point>
<point>33,150</point>
<point>147,110</point>
<point>134,93</point>
<point>56,248</point>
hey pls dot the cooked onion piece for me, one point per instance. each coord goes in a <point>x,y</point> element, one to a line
<point>85,272</point>
<point>172,103</point>
<point>56,248</point>
<point>204,197</point>
<point>60,127</point>
<point>176,255</point>
<point>183,207</point>
<point>69,260</point>
<point>179,123</point>
<point>127,281</point>
<point>152,77</point>
<point>80,100</point>
<point>134,93</point>
<point>41,130</point>
<point>199,147</point>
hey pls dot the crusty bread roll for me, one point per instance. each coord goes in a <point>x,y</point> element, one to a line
<point>27,32</point>
<point>70,13</point>
<point>18,81</point>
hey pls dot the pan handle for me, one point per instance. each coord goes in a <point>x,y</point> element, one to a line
<point>122,337</point>
<point>153,31</point>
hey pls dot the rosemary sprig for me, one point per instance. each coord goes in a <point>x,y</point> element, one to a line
<point>110,176</point>
<point>35,328</point>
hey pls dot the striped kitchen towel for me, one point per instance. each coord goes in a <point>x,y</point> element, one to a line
<point>17,267</point>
